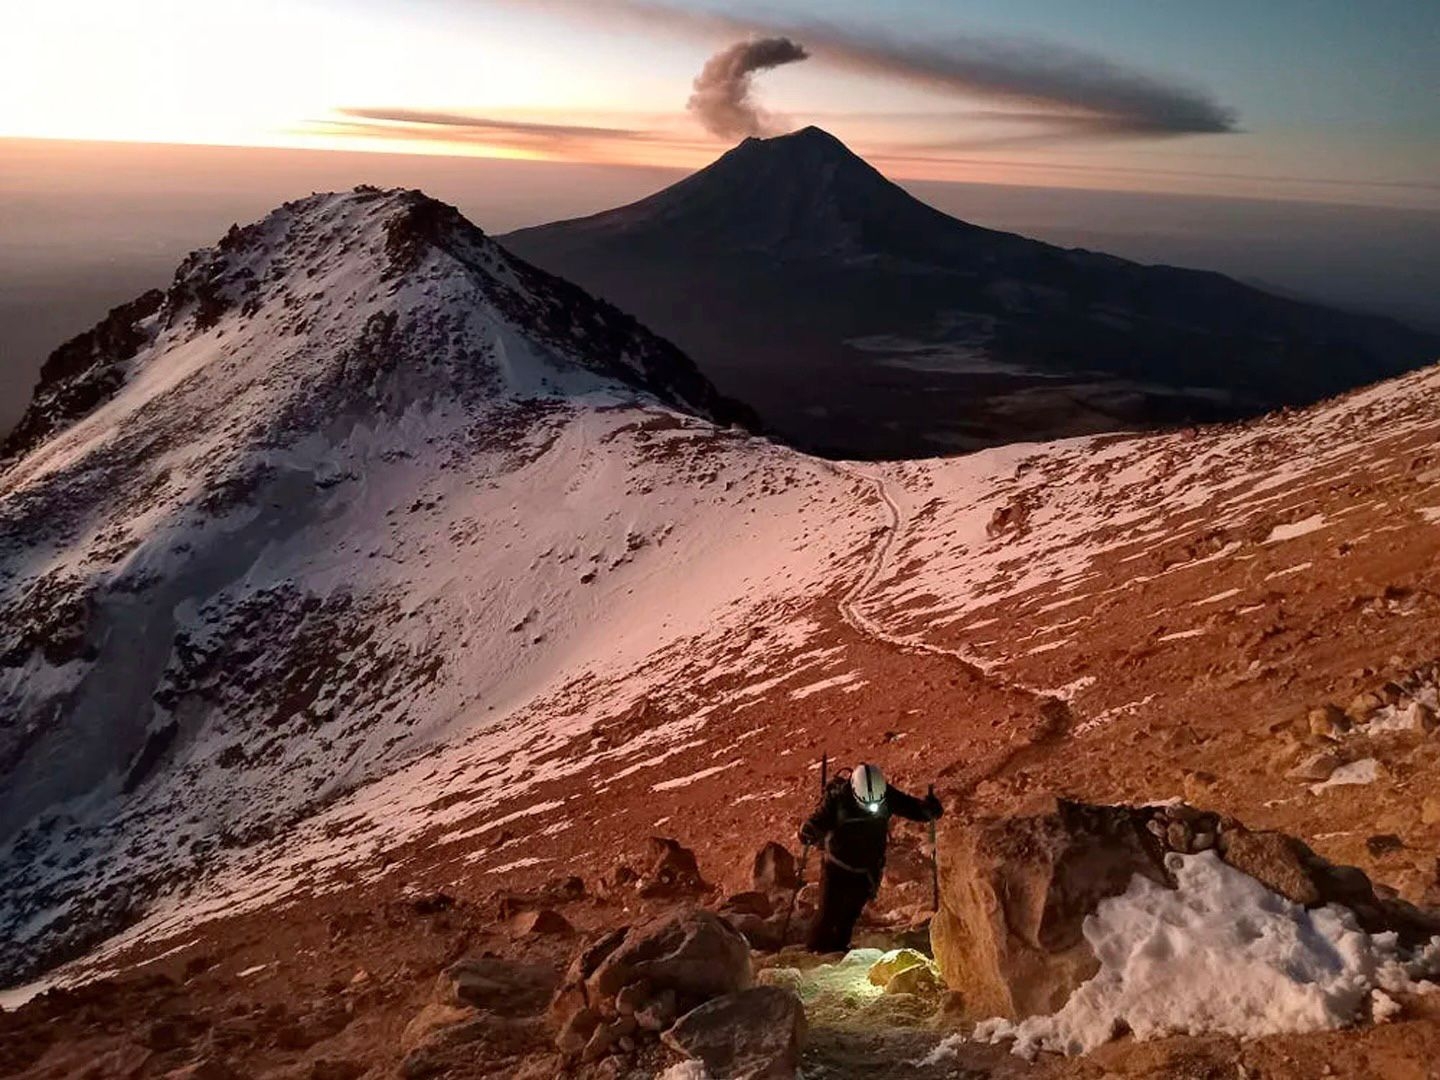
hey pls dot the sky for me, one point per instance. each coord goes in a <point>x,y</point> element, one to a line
<point>1323,100</point>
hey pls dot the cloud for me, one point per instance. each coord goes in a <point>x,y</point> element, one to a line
<point>466,127</point>
<point>722,98</point>
<point>1079,95</point>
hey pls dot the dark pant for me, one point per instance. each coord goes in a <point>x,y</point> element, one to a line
<point>843,895</point>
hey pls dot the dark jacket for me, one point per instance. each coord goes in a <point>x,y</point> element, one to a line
<point>853,837</point>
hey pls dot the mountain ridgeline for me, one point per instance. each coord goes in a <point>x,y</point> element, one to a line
<point>861,322</point>
<point>252,527</point>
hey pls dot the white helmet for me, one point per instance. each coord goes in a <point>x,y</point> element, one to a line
<point>868,783</point>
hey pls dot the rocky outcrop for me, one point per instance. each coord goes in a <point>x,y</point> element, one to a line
<point>83,374</point>
<point>480,1009</point>
<point>755,1034</point>
<point>693,952</point>
<point>1016,892</point>
<point>625,988</point>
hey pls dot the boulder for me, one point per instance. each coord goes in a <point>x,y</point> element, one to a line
<point>1015,893</point>
<point>432,1018</point>
<point>1364,707</point>
<point>755,1034</point>
<point>760,934</point>
<point>575,1032</point>
<point>774,869</point>
<point>619,879</point>
<point>1280,862</point>
<point>544,921</point>
<point>1316,768</point>
<point>501,1042</point>
<point>1328,721</point>
<point>658,1013</point>
<point>496,985</point>
<point>919,980</point>
<point>748,903</point>
<point>673,871</point>
<point>571,997</point>
<point>1290,868</point>
<point>893,963</point>
<point>693,952</point>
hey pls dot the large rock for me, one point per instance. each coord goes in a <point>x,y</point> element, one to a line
<point>755,1034</point>
<point>774,869</point>
<point>433,1018</point>
<point>1280,862</point>
<point>693,952</point>
<point>541,922</point>
<point>1289,867</point>
<point>1016,892</point>
<point>892,964</point>
<point>672,872</point>
<point>501,1042</point>
<point>495,985</point>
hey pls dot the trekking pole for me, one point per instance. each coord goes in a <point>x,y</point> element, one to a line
<point>934,864</point>
<point>804,857</point>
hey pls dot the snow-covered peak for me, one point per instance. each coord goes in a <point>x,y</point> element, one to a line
<point>364,300</point>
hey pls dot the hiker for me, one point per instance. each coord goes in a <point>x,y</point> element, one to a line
<point>851,826</point>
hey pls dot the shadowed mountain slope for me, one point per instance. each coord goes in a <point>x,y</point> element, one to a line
<point>859,321</point>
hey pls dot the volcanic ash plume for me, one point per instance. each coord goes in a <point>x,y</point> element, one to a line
<point>722,90</point>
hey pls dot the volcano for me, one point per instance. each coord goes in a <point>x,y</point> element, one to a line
<point>859,321</point>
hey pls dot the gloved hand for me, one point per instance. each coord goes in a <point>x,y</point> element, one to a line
<point>809,834</point>
<point>933,807</point>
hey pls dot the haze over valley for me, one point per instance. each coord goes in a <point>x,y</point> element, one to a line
<point>84,227</point>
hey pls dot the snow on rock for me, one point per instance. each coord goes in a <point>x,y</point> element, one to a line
<point>362,511</point>
<point>1022,531</point>
<point>1220,954</point>
<point>1364,771</point>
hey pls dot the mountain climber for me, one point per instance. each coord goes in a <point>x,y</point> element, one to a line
<point>852,827</point>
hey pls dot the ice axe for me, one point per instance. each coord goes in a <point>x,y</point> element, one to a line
<point>804,857</point>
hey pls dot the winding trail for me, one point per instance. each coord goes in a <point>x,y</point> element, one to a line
<point>1061,720</point>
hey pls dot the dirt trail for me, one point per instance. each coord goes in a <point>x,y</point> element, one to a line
<point>1057,718</point>
<point>853,614</point>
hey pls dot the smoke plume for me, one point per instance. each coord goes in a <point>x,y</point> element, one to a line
<point>1058,93</point>
<point>722,90</point>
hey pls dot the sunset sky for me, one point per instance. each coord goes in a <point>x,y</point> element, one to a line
<point>1306,99</point>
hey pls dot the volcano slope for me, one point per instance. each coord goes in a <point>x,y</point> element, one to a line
<point>860,322</point>
<point>349,611</point>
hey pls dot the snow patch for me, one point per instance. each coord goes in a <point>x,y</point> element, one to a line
<point>1296,529</point>
<point>1180,635</point>
<point>1221,954</point>
<point>1363,771</point>
<point>684,781</point>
